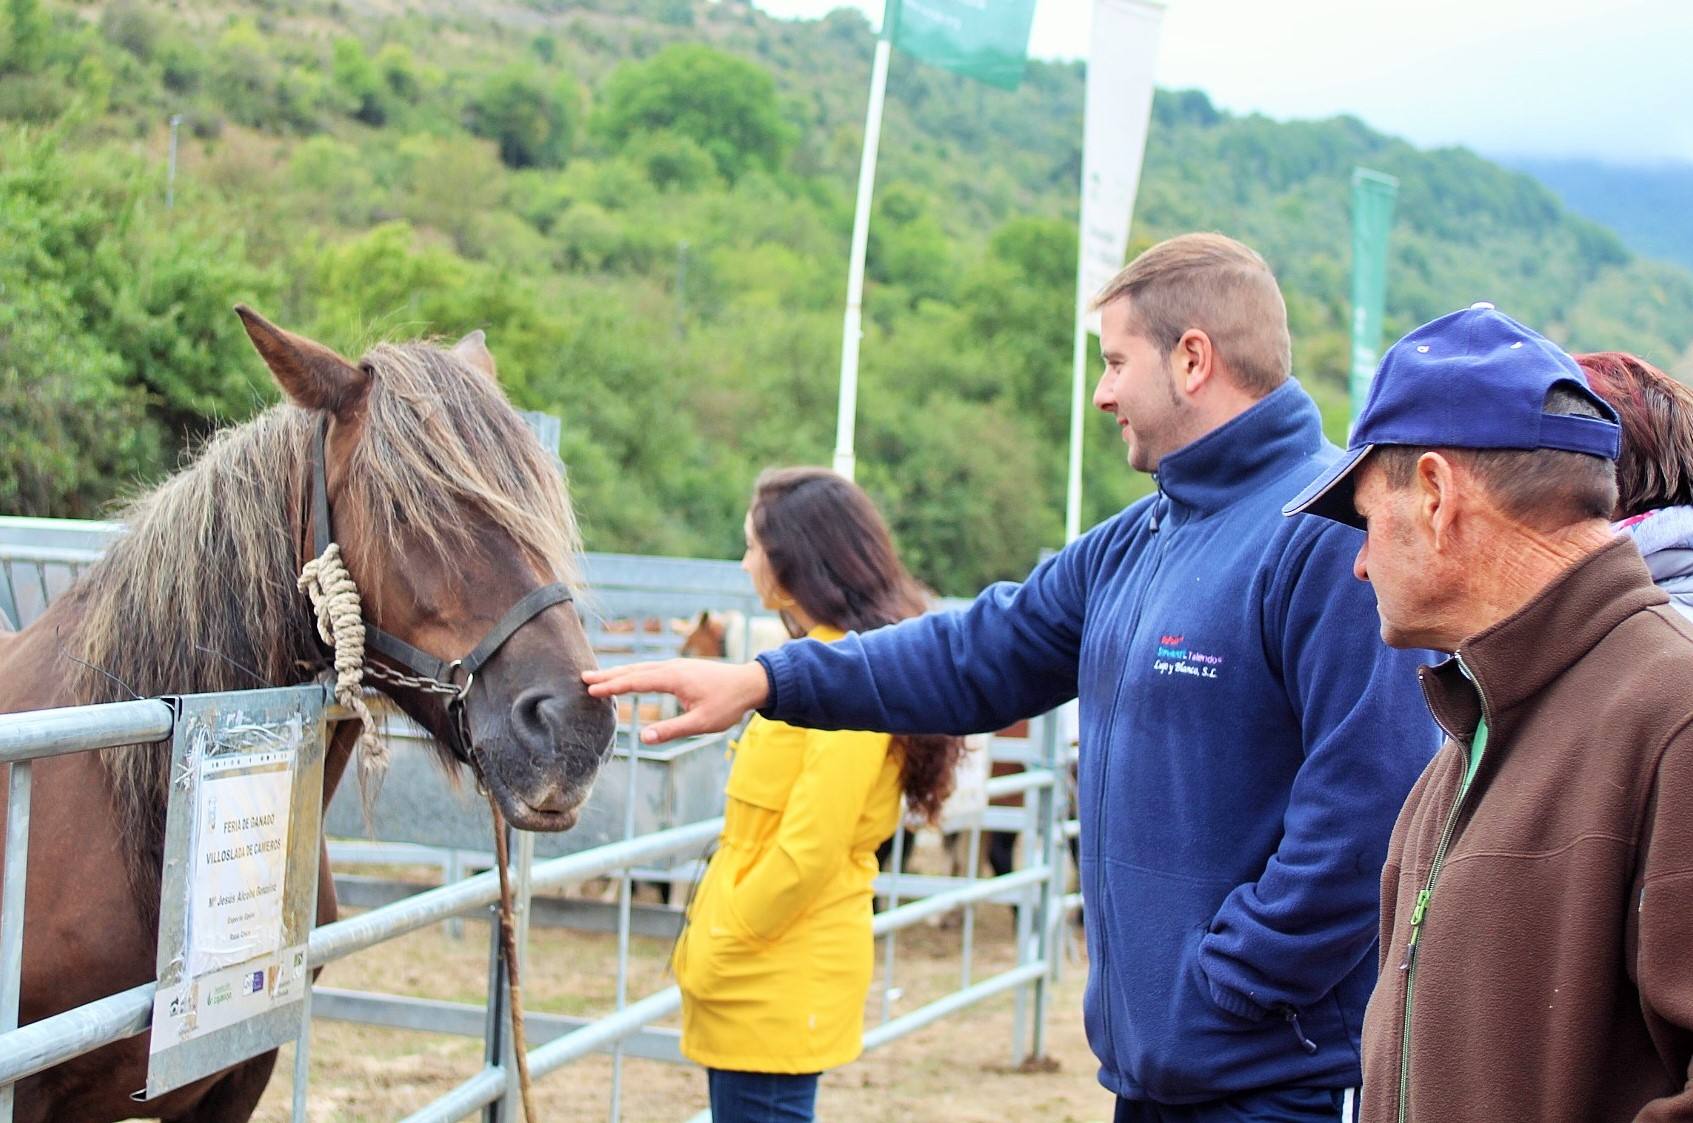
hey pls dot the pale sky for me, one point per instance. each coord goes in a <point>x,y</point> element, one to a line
<point>1605,78</point>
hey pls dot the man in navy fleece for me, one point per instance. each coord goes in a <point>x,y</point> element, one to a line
<point>1246,738</point>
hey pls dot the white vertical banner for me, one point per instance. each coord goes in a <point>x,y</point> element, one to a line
<point>1122,55</point>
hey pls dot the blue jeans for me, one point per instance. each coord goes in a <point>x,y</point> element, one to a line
<point>1271,1105</point>
<point>761,1097</point>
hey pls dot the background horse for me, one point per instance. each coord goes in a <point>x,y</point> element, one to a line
<point>447,511</point>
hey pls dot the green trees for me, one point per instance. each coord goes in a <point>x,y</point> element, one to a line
<point>76,433</point>
<point>24,29</point>
<point>76,425</point>
<point>653,232</point>
<point>725,105</point>
<point>359,82</point>
<point>532,121</point>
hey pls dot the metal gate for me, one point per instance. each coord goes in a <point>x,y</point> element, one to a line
<point>39,558</point>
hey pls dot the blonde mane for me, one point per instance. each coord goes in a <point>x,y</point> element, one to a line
<point>199,592</point>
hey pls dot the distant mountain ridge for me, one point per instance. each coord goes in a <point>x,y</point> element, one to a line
<point>1650,206</point>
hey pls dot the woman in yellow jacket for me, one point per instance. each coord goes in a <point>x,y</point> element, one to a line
<point>775,959</point>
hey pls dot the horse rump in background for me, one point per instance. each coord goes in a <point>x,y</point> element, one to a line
<point>447,512</point>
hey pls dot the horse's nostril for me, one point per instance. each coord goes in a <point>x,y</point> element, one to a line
<point>544,717</point>
<point>541,716</point>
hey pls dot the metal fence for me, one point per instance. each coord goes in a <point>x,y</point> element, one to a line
<point>625,838</point>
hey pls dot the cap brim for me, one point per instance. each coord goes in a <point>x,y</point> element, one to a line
<point>1329,496</point>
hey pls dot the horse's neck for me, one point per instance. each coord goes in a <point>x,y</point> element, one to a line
<point>35,670</point>
<point>36,673</point>
<point>343,735</point>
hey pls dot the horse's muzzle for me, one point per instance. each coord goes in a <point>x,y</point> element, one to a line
<point>554,746</point>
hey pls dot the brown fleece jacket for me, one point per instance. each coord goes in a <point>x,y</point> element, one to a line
<point>1553,973</point>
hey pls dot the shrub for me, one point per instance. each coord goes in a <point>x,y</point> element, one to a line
<point>533,123</point>
<point>724,104</point>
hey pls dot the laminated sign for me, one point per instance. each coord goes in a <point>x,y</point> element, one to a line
<point>239,891</point>
<point>240,857</point>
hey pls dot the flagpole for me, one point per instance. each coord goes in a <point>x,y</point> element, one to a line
<point>1116,113</point>
<point>1078,378</point>
<point>852,327</point>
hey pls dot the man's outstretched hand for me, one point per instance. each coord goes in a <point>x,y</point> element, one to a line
<point>714,696</point>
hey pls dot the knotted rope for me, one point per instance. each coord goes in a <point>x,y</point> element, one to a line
<point>340,622</point>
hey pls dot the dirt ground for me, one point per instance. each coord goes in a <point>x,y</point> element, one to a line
<point>957,1069</point>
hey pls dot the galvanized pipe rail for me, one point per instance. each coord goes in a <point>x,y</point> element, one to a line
<point>25,738</point>
<point>491,1083</point>
<point>74,729</point>
<point>488,1085</point>
<point>43,733</point>
<point>43,1044</point>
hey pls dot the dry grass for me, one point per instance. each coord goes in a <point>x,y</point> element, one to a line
<point>958,1069</point>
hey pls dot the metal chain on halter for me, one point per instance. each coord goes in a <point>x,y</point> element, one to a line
<point>414,682</point>
<point>340,623</point>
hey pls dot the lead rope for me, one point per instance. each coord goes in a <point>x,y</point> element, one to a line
<point>340,623</point>
<point>508,941</point>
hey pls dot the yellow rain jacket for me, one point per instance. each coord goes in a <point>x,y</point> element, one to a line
<point>775,959</point>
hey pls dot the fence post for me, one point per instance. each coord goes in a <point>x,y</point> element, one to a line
<point>18,779</point>
<point>891,992</point>
<point>497,1050</point>
<point>9,613</point>
<point>625,902</point>
<point>1052,808</point>
<point>1025,944</point>
<point>303,1043</point>
<point>452,869</point>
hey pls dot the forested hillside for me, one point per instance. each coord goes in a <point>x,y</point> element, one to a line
<point>646,204</point>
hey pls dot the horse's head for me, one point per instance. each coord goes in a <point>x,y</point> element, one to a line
<point>449,514</point>
<point>705,638</point>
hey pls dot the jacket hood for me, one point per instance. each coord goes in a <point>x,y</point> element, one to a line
<point>1665,539</point>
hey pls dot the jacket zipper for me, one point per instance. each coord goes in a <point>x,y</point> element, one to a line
<point>1420,910</point>
<point>1152,524</point>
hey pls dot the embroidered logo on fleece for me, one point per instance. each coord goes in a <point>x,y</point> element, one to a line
<point>1178,657</point>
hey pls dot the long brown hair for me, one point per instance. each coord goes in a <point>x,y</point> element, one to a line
<point>829,549</point>
<point>1656,466</point>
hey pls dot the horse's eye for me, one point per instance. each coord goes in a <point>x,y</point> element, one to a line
<point>400,515</point>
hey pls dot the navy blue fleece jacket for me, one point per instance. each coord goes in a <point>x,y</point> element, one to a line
<point>1246,742</point>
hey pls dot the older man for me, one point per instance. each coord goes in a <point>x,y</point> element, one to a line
<point>1245,739</point>
<point>1537,904</point>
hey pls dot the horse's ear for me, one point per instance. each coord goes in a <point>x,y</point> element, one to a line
<point>473,349</point>
<point>310,374</point>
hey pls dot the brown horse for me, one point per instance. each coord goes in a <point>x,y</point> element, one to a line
<point>448,513</point>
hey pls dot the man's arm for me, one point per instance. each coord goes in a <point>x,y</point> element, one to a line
<point>1290,937</point>
<point>1011,654</point>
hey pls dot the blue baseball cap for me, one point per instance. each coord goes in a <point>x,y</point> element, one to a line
<point>1471,379</point>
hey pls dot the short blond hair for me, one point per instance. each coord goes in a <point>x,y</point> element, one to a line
<point>1219,286</point>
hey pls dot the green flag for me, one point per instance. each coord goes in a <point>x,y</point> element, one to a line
<point>1372,218</point>
<point>987,40</point>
